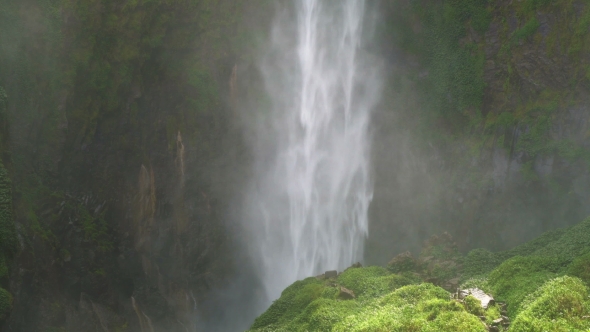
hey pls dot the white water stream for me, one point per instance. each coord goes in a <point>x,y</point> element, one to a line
<point>308,210</point>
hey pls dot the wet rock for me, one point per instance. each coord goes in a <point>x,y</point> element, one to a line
<point>331,274</point>
<point>346,294</point>
<point>493,329</point>
<point>484,298</point>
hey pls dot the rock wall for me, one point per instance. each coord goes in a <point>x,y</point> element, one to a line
<point>483,131</point>
<point>119,136</point>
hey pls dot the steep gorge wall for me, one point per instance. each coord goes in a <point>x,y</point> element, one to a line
<point>483,130</point>
<point>118,136</point>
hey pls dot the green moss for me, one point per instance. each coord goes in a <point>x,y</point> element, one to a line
<point>322,314</point>
<point>451,80</point>
<point>473,306</point>
<point>293,301</point>
<point>412,294</point>
<point>5,303</point>
<point>527,30</point>
<point>492,312</point>
<point>412,307</point>
<point>529,278</point>
<point>455,321</point>
<point>519,276</point>
<point>479,262</point>
<point>366,282</point>
<point>580,268</point>
<point>573,243</point>
<point>559,305</point>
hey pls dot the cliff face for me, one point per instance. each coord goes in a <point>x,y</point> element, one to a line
<point>117,136</point>
<point>484,126</point>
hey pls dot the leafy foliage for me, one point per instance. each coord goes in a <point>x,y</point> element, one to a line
<point>580,268</point>
<point>519,276</point>
<point>558,305</point>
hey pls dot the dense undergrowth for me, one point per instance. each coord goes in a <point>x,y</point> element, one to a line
<point>544,284</point>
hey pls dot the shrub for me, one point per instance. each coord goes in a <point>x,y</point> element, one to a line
<point>558,305</point>
<point>580,268</point>
<point>519,276</point>
<point>370,281</point>
<point>293,301</point>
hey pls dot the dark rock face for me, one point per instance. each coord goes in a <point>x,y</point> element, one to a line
<point>506,168</point>
<point>120,142</point>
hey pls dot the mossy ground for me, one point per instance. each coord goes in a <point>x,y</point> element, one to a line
<point>544,283</point>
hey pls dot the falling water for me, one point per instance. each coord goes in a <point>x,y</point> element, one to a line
<point>313,189</point>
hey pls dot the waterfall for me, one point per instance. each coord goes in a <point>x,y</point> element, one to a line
<point>308,206</point>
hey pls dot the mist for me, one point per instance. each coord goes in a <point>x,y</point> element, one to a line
<point>175,165</point>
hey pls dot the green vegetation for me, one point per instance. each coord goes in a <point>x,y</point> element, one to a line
<point>539,282</point>
<point>561,304</point>
<point>527,30</point>
<point>5,303</point>
<point>454,85</point>
<point>580,268</point>
<point>519,276</point>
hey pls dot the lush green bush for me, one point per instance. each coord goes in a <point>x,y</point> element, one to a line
<point>559,305</point>
<point>519,276</point>
<point>293,301</point>
<point>371,281</point>
<point>574,243</point>
<point>479,262</point>
<point>307,305</point>
<point>580,268</point>
<point>529,278</point>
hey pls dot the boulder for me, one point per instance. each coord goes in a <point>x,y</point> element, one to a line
<point>346,294</point>
<point>484,298</point>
